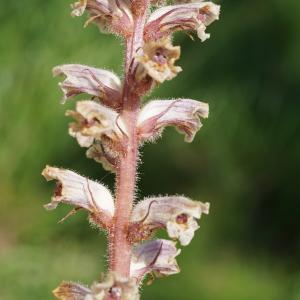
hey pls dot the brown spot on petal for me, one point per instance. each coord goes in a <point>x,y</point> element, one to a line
<point>160,56</point>
<point>182,219</point>
<point>58,189</point>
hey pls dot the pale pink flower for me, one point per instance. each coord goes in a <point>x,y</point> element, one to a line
<point>184,114</point>
<point>80,192</point>
<point>188,16</point>
<point>157,257</point>
<point>175,213</point>
<point>101,84</point>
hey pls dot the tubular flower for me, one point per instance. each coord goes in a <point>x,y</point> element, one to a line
<point>102,84</point>
<point>80,192</point>
<point>188,16</point>
<point>157,257</point>
<point>95,122</point>
<point>184,114</point>
<point>176,213</point>
<point>157,60</point>
<point>109,15</point>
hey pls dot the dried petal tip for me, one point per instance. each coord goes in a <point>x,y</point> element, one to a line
<point>71,291</point>
<point>184,114</point>
<point>79,191</point>
<point>188,16</point>
<point>157,60</point>
<point>176,213</point>
<point>104,85</point>
<point>156,257</point>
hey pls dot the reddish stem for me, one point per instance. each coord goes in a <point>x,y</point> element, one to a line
<point>119,246</point>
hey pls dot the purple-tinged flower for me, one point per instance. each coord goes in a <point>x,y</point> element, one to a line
<point>80,192</point>
<point>157,59</point>
<point>95,121</point>
<point>109,15</point>
<point>71,291</point>
<point>156,257</point>
<point>102,84</point>
<point>176,213</point>
<point>184,114</point>
<point>188,16</point>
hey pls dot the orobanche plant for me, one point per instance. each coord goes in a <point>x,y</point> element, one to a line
<point>113,124</point>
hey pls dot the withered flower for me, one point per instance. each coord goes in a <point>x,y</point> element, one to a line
<point>176,213</point>
<point>71,291</point>
<point>184,114</point>
<point>157,59</point>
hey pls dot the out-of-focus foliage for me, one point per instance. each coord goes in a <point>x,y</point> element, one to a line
<point>245,160</point>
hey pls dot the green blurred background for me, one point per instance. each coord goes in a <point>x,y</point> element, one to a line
<point>245,159</point>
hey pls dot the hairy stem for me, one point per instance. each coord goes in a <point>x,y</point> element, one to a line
<point>120,248</point>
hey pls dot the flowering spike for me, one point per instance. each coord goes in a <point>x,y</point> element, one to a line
<point>176,213</point>
<point>157,257</point>
<point>184,114</point>
<point>79,191</point>
<point>188,16</point>
<point>102,84</point>
<point>113,125</point>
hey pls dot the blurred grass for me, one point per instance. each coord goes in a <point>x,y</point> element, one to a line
<point>245,160</point>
